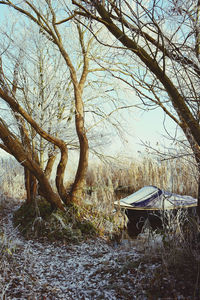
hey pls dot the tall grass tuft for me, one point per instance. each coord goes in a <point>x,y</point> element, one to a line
<point>11,179</point>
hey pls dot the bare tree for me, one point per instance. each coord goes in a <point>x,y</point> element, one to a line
<point>28,99</point>
<point>45,17</point>
<point>161,42</point>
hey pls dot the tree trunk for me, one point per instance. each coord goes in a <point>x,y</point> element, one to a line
<point>25,158</point>
<point>30,185</point>
<point>77,190</point>
<point>198,198</point>
<point>33,186</point>
<point>27,184</point>
<point>60,174</point>
<point>49,165</point>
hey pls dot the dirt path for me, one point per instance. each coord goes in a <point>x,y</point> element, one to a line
<point>42,270</point>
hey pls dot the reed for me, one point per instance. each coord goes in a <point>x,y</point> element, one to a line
<point>11,179</point>
<point>107,182</point>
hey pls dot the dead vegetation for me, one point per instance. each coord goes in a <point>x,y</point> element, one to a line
<point>159,265</point>
<point>105,182</point>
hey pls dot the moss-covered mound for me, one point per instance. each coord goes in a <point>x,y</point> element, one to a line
<point>39,220</point>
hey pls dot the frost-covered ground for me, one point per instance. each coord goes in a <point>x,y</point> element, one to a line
<point>91,270</point>
<point>94,269</point>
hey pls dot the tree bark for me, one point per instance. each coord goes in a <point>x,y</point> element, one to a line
<point>77,190</point>
<point>30,185</point>
<point>61,173</point>
<point>198,198</point>
<point>79,182</point>
<point>33,186</point>
<point>49,165</point>
<point>27,185</point>
<point>17,150</point>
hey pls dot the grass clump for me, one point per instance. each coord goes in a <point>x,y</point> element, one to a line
<point>7,246</point>
<point>39,220</point>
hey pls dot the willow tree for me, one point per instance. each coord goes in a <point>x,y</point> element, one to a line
<point>160,40</point>
<point>44,15</point>
<point>62,35</point>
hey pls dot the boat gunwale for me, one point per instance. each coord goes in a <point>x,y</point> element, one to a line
<point>155,208</point>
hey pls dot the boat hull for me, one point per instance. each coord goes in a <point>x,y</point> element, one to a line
<point>155,218</point>
<point>156,207</point>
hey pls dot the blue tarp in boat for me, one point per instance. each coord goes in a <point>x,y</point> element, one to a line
<point>153,198</point>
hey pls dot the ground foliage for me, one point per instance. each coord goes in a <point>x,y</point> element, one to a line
<point>94,268</point>
<point>39,220</point>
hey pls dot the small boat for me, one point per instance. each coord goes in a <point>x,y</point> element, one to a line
<point>153,205</point>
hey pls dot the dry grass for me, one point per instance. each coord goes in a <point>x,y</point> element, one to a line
<point>107,182</point>
<point>173,253</point>
<point>11,179</point>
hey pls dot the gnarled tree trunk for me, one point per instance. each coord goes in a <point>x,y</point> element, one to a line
<point>17,150</point>
<point>79,182</point>
<point>30,185</point>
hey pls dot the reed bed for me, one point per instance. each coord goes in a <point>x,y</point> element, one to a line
<point>107,182</point>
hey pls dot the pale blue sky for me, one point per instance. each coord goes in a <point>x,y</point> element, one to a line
<point>146,127</point>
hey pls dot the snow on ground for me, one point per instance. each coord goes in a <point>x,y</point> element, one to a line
<point>91,270</point>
